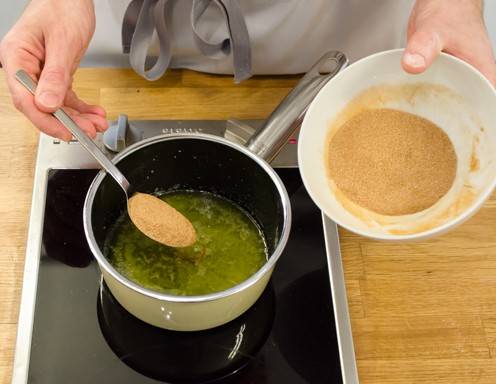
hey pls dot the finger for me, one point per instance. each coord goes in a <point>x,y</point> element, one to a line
<point>55,76</point>
<point>480,55</point>
<point>86,125</point>
<point>45,122</point>
<point>22,99</point>
<point>98,122</point>
<point>93,113</point>
<point>74,101</point>
<point>25,102</point>
<point>15,60</point>
<point>82,119</point>
<point>50,125</point>
<point>52,87</point>
<point>422,49</point>
<point>487,68</point>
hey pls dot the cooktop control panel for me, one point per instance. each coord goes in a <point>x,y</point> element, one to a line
<point>123,133</point>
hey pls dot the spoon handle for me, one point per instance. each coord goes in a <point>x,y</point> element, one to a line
<point>78,133</point>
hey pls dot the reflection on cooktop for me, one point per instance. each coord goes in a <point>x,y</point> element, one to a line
<point>305,348</point>
<point>186,357</point>
<point>63,227</point>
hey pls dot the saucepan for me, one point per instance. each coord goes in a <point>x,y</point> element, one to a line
<point>203,162</point>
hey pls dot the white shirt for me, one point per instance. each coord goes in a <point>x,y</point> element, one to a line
<point>287,36</point>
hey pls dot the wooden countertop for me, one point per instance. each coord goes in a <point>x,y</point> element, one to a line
<point>421,312</point>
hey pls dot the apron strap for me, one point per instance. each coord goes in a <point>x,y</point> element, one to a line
<point>129,24</point>
<point>238,40</point>
<point>144,17</point>
<point>151,18</point>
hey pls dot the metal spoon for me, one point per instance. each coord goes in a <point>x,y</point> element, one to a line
<point>152,216</point>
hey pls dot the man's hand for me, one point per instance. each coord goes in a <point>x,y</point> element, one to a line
<point>456,27</point>
<point>48,41</point>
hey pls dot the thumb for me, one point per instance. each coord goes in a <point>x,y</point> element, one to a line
<point>422,49</point>
<point>54,80</point>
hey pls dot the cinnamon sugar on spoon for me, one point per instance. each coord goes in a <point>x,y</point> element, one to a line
<point>160,221</point>
<point>391,162</point>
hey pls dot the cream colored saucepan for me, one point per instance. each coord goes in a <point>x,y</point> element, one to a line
<point>242,174</point>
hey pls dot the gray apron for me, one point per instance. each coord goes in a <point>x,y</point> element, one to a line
<point>144,18</point>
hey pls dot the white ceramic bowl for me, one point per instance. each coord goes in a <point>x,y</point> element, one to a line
<point>451,93</point>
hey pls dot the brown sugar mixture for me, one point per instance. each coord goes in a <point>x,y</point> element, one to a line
<point>391,162</point>
<point>159,221</point>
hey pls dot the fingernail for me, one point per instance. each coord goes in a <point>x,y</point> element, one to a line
<point>49,99</point>
<point>414,60</point>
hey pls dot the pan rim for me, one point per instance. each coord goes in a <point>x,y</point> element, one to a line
<point>252,280</point>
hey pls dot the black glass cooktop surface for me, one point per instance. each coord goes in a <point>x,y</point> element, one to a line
<point>82,335</point>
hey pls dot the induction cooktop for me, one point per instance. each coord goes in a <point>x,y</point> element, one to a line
<point>72,330</point>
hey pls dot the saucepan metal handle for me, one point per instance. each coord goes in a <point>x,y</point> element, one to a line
<point>288,116</point>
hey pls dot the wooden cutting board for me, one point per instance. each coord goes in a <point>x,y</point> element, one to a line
<point>421,312</point>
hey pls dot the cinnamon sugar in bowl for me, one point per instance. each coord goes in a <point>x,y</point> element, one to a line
<point>391,162</point>
<point>364,191</point>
